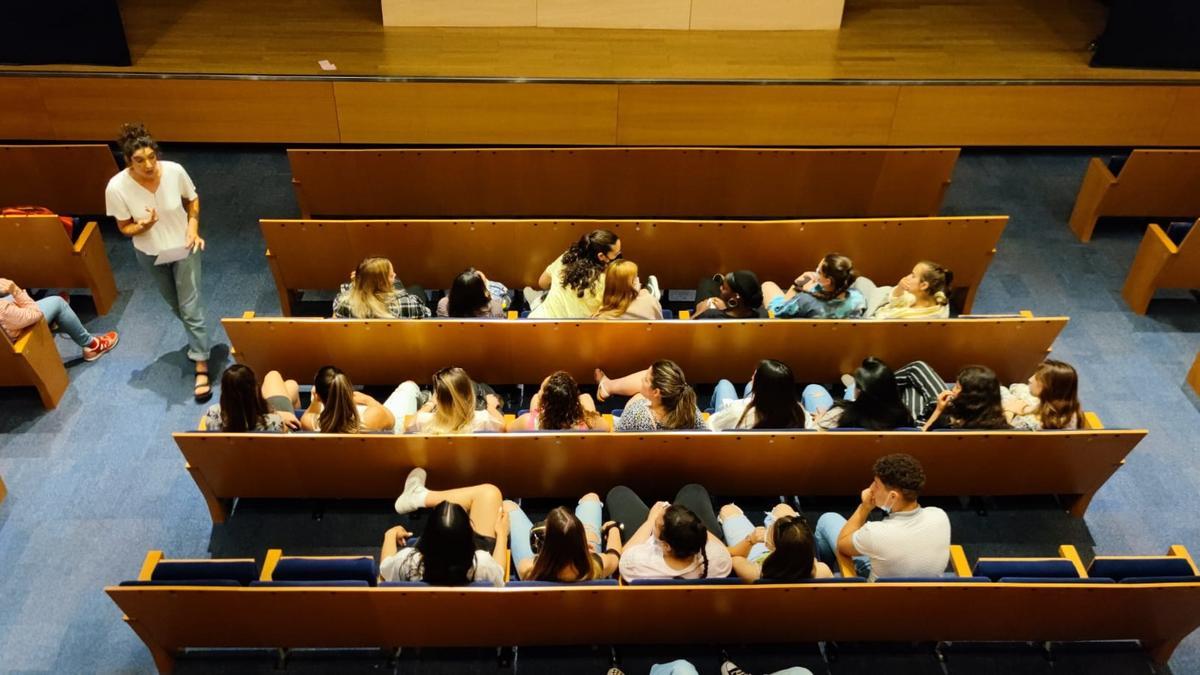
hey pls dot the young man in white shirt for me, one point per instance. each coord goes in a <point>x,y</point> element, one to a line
<point>912,541</point>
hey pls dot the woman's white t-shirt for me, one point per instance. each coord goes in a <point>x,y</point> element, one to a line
<point>124,199</point>
<point>405,565</point>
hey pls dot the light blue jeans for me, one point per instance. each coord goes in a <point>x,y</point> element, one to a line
<point>590,513</point>
<point>817,399</point>
<point>725,391</point>
<point>739,527</point>
<point>680,667</point>
<point>179,284</point>
<point>825,537</point>
<point>57,311</point>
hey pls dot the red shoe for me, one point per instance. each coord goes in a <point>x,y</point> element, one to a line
<point>106,342</point>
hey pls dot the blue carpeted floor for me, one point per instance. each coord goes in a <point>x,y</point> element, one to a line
<point>97,482</point>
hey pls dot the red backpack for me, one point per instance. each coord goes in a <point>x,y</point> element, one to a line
<point>67,221</point>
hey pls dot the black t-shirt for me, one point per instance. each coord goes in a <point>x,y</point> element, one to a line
<point>714,313</point>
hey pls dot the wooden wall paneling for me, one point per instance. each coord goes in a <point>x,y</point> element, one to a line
<point>1183,126</point>
<point>500,113</point>
<point>527,351</point>
<point>68,179</point>
<point>239,111</point>
<point>23,115</point>
<point>767,15</point>
<point>660,14</point>
<point>1026,115</point>
<point>693,114</point>
<point>459,13</point>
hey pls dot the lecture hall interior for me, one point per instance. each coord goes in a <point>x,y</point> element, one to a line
<point>608,337</point>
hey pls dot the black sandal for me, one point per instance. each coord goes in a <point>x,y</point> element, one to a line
<point>202,397</point>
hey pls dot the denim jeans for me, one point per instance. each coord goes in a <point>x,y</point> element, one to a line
<point>724,392</point>
<point>179,284</point>
<point>590,513</point>
<point>739,527</point>
<point>59,313</point>
<point>825,537</point>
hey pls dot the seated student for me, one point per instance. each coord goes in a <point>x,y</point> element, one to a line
<point>912,541</point>
<point>452,408</point>
<point>568,544</point>
<point>20,312</point>
<point>558,406</point>
<point>823,294</point>
<point>575,280</point>
<point>973,403</point>
<point>472,296</point>
<point>624,297</point>
<point>465,540</point>
<point>923,294</point>
<point>736,295</point>
<point>771,403</point>
<point>782,550</point>
<point>662,398</point>
<point>245,406</point>
<point>336,408</point>
<point>374,293</point>
<point>679,540</point>
<point>1050,400</point>
<point>872,401</point>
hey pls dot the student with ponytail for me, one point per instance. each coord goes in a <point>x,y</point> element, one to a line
<point>574,282</point>
<point>679,540</point>
<point>336,408</point>
<point>824,293</point>
<point>662,399</point>
<point>923,294</point>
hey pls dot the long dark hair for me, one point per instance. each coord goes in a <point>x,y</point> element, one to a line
<point>773,398</point>
<point>581,262</point>
<point>678,397</point>
<point>559,399</point>
<point>685,533</point>
<point>978,405</point>
<point>840,271</point>
<point>242,405</point>
<point>1058,404</point>
<point>339,414</point>
<point>468,297</point>
<point>447,547</point>
<point>564,548</point>
<point>877,407</point>
<point>792,559</point>
<point>134,137</point>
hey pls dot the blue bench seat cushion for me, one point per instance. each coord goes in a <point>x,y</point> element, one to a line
<point>722,581</point>
<point>326,569</point>
<point>343,583</point>
<point>561,584</point>
<point>241,571</point>
<point>1054,580</point>
<point>825,580</point>
<point>949,579</point>
<point>1121,568</point>
<point>1044,568</point>
<point>187,582</point>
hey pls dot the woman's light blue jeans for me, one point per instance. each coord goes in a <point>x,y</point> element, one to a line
<point>739,527</point>
<point>725,392</point>
<point>825,537</point>
<point>590,513</point>
<point>817,399</point>
<point>57,311</point>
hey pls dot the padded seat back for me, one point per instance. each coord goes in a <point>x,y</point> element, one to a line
<point>997,568</point>
<point>722,581</point>
<point>242,571</point>
<point>1121,568</point>
<point>554,584</point>
<point>343,583</point>
<point>299,568</point>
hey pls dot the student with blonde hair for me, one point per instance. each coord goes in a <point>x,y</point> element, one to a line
<point>1050,400</point>
<point>624,296</point>
<point>662,398</point>
<point>452,410</point>
<point>923,294</point>
<point>336,408</point>
<point>374,293</point>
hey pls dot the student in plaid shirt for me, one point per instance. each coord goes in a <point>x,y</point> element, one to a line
<point>373,294</point>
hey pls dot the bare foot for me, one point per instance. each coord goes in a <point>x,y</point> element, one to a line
<point>601,387</point>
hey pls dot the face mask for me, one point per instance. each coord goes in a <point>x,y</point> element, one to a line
<point>886,507</point>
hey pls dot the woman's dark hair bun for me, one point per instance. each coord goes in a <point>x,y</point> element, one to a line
<point>134,136</point>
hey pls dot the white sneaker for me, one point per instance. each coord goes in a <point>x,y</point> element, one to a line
<point>731,668</point>
<point>847,380</point>
<point>652,286</point>
<point>533,297</point>
<point>413,497</point>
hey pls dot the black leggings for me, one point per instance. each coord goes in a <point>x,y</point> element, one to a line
<point>625,507</point>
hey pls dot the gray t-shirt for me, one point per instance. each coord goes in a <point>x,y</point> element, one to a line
<point>910,544</point>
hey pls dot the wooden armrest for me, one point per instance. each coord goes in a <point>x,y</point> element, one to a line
<point>247,315</point>
<point>958,560</point>
<point>1159,235</point>
<point>149,564</point>
<point>513,315</point>
<point>685,314</point>
<point>846,566</point>
<point>1068,551</point>
<point>1180,551</point>
<point>203,425</point>
<point>92,229</point>
<point>1091,420</point>
<point>272,560</point>
<point>1026,314</point>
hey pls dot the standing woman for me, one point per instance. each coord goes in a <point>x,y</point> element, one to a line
<point>155,203</point>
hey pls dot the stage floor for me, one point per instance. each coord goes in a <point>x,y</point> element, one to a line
<point>881,40</point>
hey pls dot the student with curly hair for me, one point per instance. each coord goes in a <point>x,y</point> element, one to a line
<point>972,403</point>
<point>911,541</point>
<point>558,406</point>
<point>575,280</point>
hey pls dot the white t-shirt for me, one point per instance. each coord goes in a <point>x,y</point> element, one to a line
<point>729,416</point>
<point>646,561</point>
<point>481,422</point>
<point>910,544</point>
<point>405,565</point>
<point>124,199</point>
